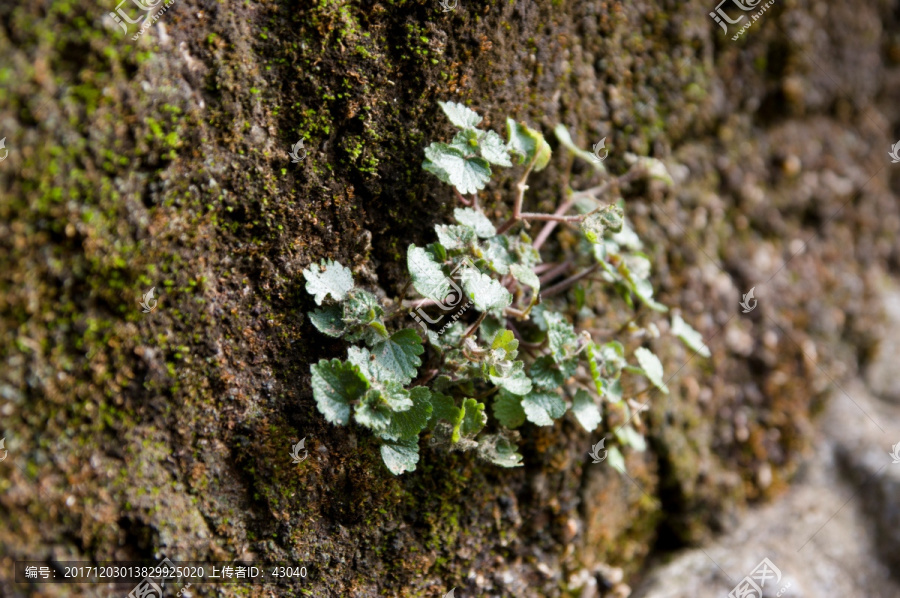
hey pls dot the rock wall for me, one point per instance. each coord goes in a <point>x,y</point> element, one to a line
<point>163,163</point>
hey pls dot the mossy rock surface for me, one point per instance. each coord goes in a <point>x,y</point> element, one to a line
<point>164,163</point>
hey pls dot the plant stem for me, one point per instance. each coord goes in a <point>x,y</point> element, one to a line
<point>517,206</point>
<point>475,325</point>
<point>548,228</point>
<point>565,284</point>
<point>556,271</point>
<point>460,197</point>
<point>550,217</point>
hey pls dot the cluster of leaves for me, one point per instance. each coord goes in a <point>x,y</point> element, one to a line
<point>524,359</point>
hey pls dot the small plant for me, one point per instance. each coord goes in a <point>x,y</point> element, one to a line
<point>524,359</point>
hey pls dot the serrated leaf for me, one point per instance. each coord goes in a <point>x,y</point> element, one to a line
<point>496,253</point>
<point>328,278</point>
<point>499,451</point>
<point>546,374</point>
<point>373,411</point>
<point>486,293</point>
<point>529,144</point>
<point>362,316</point>
<point>398,356</point>
<point>561,337</point>
<point>448,163</point>
<point>562,134</point>
<point>609,218</point>
<point>508,409</point>
<point>586,411</point>
<point>455,236</point>
<point>493,149</point>
<point>461,116</point>
<point>476,221</point>
<point>336,384</point>
<point>407,425</point>
<point>515,380</point>
<point>466,141</point>
<point>506,340</point>
<point>427,276</point>
<point>541,408</point>
<point>689,336</point>
<point>652,367</point>
<point>400,456</point>
<point>328,320</point>
<point>474,418</point>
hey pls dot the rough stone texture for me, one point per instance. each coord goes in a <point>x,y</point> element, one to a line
<point>163,163</point>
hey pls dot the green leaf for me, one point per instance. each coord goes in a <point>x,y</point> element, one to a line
<point>451,165</point>
<point>689,336</point>
<point>527,277</point>
<point>400,456</point>
<point>609,218</point>
<point>506,340</point>
<point>444,408</point>
<point>407,425</point>
<point>586,411</point>
<point>474,418</point>
<point>476,221</point>
<point>362,314</point>
<point>499,450</point>
<point>373,411</point>
<point>455,236</point>
<point>486,293</point>
<point>546,374</point>
<point>541,408</point>
<point>427,276</point>
<point>561,336</point>
<point>398,357</point>
<point>466,141</point>
<point>328,320</point>
<point>652,367</point>
<point>336,384</point>
<point>494,150</point>
<point>461,116</point>
<point>328,278</point>
<point>529,144</point>
<point>612,391</point>
<point>655,169</point>
<point>508,409</point>
<point>515,381</point>
<point>566,140</point>
<point>496,253</point>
